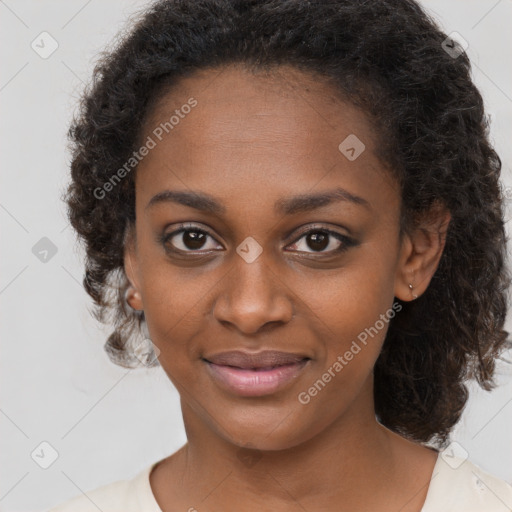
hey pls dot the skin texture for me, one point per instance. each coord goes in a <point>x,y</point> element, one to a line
<point>250,141</point>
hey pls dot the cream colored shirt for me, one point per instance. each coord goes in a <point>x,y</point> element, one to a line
<point>455,486</point>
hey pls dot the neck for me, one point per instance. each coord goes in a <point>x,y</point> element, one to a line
<point>333,469</point>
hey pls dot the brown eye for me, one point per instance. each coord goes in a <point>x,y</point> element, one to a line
<point>193,239</point>
<point>189,240</point>
<point>318,240</point>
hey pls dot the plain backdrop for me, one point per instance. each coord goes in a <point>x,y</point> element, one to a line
<point>57,385</point>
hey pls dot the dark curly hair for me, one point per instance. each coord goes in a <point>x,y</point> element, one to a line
<point>388,58</point>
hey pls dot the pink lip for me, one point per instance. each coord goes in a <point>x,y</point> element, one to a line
<point>255,382</point>
<point>251,360</point>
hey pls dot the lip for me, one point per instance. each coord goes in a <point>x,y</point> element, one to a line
<point>255,374</point>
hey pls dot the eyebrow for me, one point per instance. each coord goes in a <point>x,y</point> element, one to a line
<point>286,206</point>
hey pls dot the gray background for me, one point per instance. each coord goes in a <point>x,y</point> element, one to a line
<point>57,385</point>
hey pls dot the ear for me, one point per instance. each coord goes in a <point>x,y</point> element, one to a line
<point>421,252</point>
<point>133,296</point>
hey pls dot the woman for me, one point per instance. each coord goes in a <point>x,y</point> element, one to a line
<point>295,210</point>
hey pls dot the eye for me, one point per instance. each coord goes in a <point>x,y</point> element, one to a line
<point>322,240</point>
<point>191,239</point>
<point>188,239</point>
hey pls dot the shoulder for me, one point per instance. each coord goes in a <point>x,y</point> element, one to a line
<point>132,495</point>
<point>459,485</point>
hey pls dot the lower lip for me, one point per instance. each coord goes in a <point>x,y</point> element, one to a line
<point>245,382</point>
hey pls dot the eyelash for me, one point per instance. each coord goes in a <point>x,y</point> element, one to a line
<point>347,242</point>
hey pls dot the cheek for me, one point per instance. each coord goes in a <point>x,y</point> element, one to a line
<point>353,308</point>
<point>350,299</point>
<point>173,302</point>
<point>354,325</point>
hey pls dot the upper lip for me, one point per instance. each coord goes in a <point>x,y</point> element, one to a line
<point>263,359</point>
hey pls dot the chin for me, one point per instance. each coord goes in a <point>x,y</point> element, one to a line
<point>280,429</point>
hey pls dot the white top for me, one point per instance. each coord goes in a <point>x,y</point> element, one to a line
<point>456,485</point>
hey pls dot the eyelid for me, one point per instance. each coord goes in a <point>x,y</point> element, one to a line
<point>317,227</point>
<point>183,227</point>
<point>345,240</point>
<point>308,228</point>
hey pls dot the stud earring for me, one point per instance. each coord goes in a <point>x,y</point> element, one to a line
<point>413,294</point>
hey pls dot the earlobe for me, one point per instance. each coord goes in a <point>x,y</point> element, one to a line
<point>403,282</point>
<point>421,252</point>
<point>132,294</point>
<point>133,298</point>
<point>411,288</point>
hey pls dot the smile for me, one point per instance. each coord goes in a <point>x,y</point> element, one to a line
<point>257,381</point>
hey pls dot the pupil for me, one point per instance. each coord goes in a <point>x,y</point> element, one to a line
<point>193,239</point>
<point>320,239</point>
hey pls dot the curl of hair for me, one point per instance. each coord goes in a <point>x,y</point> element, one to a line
<point>384,56</point>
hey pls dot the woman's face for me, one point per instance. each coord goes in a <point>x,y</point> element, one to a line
<point>292,245</point>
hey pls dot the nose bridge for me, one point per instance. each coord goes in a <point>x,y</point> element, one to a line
<point>252,273</point>
<point>254,295</point>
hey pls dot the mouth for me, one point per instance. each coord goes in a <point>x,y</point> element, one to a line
<point>259,374</point>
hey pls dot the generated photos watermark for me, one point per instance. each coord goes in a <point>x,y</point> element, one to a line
<point>305,397</point>
<point>137,156</point>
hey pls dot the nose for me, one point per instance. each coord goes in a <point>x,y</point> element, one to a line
<point>253,297</point>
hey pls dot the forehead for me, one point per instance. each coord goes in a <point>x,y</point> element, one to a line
<point>274,132</point>
<point>242,104</point>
